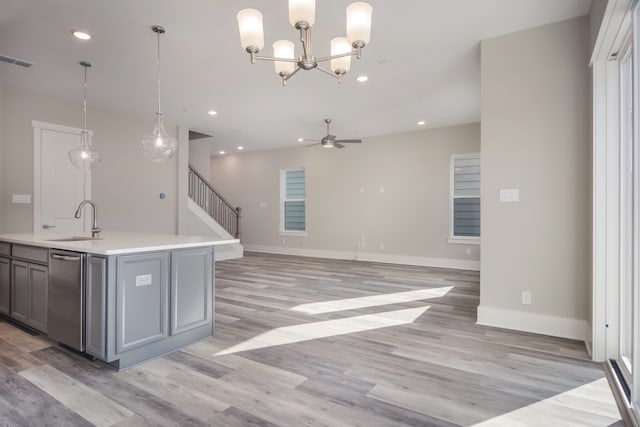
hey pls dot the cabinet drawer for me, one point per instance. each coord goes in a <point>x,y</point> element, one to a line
<point>5,248</point>
<point>31,253</point>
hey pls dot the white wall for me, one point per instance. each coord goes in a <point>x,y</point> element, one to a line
<point>200,156</point>
<point>126,186</point>
<point>535,137</point>
<point>344,198</point>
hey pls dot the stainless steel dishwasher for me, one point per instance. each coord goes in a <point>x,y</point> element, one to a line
<point>65,308</point>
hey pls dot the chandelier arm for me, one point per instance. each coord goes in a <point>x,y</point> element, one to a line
<point>335,76</point>
<point>342,55</point>
<point>288,76</point>
<point>273,58</point>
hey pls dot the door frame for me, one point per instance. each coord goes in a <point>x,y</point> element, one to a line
<point>38,127</point>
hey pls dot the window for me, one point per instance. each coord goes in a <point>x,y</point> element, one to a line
<point>292,190</point>
<point>465,198</point>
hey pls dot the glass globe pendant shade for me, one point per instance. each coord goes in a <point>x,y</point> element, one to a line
<point>83,157</point>
<point>159,146</point>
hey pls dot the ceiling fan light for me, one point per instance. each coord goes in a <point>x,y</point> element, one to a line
<point>302,11</point>
<point>327,144</point>
<point>340,45</point>
<point>359,23</point>
<point>284,49</point>
<point>251,30</point>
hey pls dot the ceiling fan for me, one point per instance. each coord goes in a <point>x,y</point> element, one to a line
<point>330,141</point>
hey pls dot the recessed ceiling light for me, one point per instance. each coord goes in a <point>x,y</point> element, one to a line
<point>362,79</point>
<point>221,152</point>
<point>212,113</point>
<point>240,148</point>
<point>421,123</point>
<point>81,35</point>
<point>300,139</point>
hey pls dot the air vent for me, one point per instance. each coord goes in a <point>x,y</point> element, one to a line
<point>193,135</point>
<point>15,61</point>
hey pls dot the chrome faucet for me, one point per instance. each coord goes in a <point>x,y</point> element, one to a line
<point>95,230</point>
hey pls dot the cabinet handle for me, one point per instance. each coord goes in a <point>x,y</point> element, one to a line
<point>47,226</point>
<point>65,257</point>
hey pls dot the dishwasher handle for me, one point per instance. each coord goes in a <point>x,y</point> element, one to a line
<point>65,257</point>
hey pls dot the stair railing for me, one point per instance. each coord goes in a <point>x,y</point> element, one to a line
<point>218,208</point>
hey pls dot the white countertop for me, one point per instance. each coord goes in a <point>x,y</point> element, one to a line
<point>116,242</point>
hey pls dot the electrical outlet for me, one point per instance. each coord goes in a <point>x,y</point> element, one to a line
<point>21,198</point>
<point>468,251</point>
<point>526,297</point>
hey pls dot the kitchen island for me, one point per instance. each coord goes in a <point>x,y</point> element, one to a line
<point>137,296</point>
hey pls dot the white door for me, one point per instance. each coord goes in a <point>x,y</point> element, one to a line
<point>59,187</point>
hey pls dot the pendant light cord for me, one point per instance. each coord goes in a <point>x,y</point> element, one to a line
<point>84,102</point>
<point>159,111</point>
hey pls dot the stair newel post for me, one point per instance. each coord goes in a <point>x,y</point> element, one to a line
<point>237,236</point>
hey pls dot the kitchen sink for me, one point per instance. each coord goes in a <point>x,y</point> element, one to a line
<point>72,239</point>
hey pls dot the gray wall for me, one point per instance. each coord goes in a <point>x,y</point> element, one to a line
<point>344,198</point>
<point>535,137</point>
<point>596,14</point>
<point>126,186</point>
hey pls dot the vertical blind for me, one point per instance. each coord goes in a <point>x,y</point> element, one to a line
<point>466,196</point>
<point>294,200</point>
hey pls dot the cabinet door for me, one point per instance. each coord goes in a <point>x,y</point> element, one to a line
<point>191,280</point>
<point>20,291</point>
<point>96,300</point>
<point>142,295</point>
<point>5,285</point>
<point>39,282</point>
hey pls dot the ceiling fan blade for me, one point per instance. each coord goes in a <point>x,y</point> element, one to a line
<point>311,145</point>
<point>335,144</point>
<point>310,140</point>
<point>349,141</point>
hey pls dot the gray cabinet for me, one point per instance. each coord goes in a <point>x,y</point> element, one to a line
<point>191,285</point>
<point>142,298</point>
<point>143,305</point>
<point>5,285</point>
<point>29,287</point>
<point>95,302</point>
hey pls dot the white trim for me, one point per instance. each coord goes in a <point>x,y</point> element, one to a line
<point>283,199</point>
<point>38,127</point>
<point>544,324</point>
<point>457,264</point>
<point>293,233</point>
<point>452,195</point>
<point>459,240</point>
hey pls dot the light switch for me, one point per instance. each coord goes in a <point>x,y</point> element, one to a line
<point>512,195</point>
<point>21,198</point>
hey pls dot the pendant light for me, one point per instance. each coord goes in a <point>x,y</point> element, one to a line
<point>159,146</point>
<point>83,157</point>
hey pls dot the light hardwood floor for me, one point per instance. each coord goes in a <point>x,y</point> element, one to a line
<point>301,341</point>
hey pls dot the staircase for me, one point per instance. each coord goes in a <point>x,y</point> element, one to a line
<point>216,213</point>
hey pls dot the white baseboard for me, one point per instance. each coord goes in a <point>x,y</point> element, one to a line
<point>368,256</point>
<point>562,327</point>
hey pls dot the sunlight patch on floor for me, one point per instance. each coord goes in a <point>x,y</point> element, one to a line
<point>371,301</point>
<point>566,409</point>
<point>327,328</point>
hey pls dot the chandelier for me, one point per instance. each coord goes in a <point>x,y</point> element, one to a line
<point>302,17</point>
<point>84,157</point>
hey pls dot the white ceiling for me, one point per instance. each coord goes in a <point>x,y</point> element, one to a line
<point>423,63</point>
